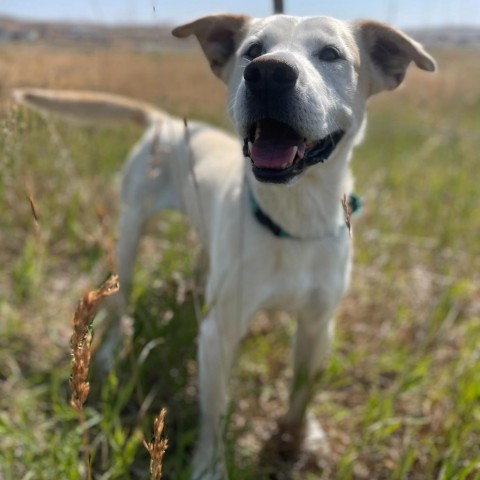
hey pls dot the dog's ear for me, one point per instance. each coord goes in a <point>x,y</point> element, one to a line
<point>218,36</point>
<point>389,53</point>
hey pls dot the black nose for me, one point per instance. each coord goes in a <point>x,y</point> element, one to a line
<point>270,73</point>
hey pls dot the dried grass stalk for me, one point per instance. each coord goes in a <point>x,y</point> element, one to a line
<point>156,448</point>
<point>80,344</point>
<point>81,339</point>
<point>34,208</point>
<point>35,211</point>
<point>347,213</point>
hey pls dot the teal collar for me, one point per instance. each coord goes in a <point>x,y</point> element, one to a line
<point>354,204</point>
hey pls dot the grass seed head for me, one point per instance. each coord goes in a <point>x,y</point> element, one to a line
<point>81,339</point>
<point>156,448</point>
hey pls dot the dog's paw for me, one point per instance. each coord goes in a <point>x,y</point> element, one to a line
<point>295,449</point>
<point>314,446</point>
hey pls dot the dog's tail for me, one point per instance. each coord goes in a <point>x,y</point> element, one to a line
<point>88,107</point>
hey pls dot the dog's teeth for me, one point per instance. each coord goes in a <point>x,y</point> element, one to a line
<point>250,145</point>
<point>294,154</point>
<point>258,130</point>
<point>301,151</point>
<point>292,158</point>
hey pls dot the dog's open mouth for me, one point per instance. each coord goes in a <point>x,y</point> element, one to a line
<point>279,153</point>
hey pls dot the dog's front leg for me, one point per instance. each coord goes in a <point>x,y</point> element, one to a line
<point>299,432</point>
<point>219,337</point>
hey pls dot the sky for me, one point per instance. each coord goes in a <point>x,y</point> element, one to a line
<point>402,13</point>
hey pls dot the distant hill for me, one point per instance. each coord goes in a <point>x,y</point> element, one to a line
<point>159,37</point>
<point>70,34</point>
<point>466,37</point>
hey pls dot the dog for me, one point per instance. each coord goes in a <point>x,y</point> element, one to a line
<point>266,203</point>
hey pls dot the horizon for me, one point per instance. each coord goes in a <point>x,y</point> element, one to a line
<point>404,14</point>
<point>170,23</point>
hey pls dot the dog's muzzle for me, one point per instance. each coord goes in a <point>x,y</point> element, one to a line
<point>277,151</point>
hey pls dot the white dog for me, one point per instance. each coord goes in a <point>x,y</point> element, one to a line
<point>270,217</point>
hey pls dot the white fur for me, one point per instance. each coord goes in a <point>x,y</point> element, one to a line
<point>209,179</point>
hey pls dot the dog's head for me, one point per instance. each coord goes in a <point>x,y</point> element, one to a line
<point>298,86</point>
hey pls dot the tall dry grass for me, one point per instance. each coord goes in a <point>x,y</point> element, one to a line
<point>170,81</point>
<point>80,347</point>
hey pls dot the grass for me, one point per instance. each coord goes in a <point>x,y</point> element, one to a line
<point>401,396</point>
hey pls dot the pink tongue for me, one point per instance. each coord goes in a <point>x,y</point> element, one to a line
<point>275,153</point>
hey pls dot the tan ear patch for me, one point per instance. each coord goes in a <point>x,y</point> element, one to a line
<point>218,36</point>
<point>390,52</point>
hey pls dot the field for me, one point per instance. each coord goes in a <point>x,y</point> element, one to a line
<point>401,396</point>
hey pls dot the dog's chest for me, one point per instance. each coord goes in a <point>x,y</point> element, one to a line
<point>306,275</point>
<point>274,273</point>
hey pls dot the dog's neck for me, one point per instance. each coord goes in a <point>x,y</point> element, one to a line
<point>311,208</point>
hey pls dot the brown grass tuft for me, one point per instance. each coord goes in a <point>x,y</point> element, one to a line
<point>81,353</point>
<point>156,448</point>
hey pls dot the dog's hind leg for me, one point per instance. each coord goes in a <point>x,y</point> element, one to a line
<point>114,332</point>
<point>147,188</point>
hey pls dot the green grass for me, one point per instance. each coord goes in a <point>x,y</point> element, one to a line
<point>401,396</point>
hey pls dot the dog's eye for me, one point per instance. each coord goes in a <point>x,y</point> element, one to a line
<point>329,54</point>
<point>254,51</point>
